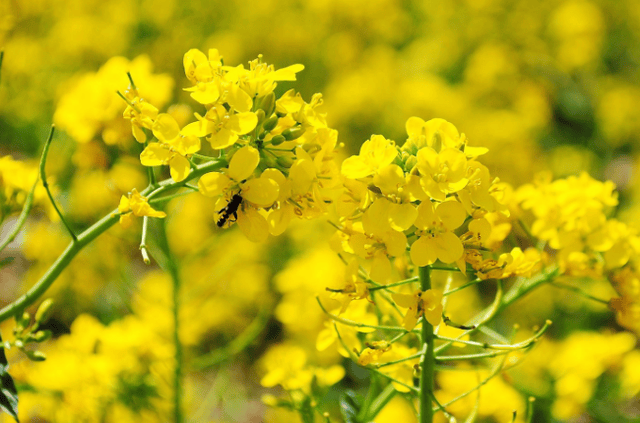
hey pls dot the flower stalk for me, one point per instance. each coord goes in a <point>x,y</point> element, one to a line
<point>427,363</point>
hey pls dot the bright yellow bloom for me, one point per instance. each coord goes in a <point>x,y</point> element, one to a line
<point>222,126</point>
<point>135,204</point>
<point>427,304</point>
<point>442,172</point>
<point>172,149</point>
<point>436,238</point>
<point>375,154</point>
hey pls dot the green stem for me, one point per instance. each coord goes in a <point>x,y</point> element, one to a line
<point>43,162</point>
<point>428,359</point>
<point>391,285</point>
<point>170,266</point>
<point>22,219</point>
<point>89,235</point>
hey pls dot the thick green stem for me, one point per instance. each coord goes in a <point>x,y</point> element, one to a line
<point>170,265</point>
<point>89,235</point>
<point>427,364</point>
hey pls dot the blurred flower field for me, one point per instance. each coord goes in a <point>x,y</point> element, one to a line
<point>264,245</point>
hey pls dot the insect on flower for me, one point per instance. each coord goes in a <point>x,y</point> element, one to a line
<point>231,209</point>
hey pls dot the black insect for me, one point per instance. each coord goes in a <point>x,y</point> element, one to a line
<point>231,209</point>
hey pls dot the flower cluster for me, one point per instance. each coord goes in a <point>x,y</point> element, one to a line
<point>430,196</point>
<point>277,153</point>
<point>571,216</point>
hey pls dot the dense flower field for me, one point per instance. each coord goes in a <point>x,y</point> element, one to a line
<point>320,211</point>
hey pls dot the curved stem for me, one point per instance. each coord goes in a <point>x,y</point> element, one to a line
<point>428,359</point>
<point>22,219</point>
<point>43,162</point>
<point>89,235</point>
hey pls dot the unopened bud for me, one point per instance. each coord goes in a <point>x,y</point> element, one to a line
<point>41,335</point>
<point>285,161</point>
<point>410,163</point>
<point>36,355</point>
<point>23,321</point>
<point>277,140</point>
<point>270,123</point>
<point>268,104</point>
<point>312,148</point>
<point>44,311</point>
<point>260,114</point>
<point>292,133</point>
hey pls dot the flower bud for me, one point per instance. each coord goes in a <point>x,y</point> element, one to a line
<point>260,114</point>
<point>36,355</point>
<point>285,161</point>
<point>410,163</point>
<point>270,123</point>
<point>41,335</point>
<point>292,133</point>
<point>268,104</point>
<point>44,311</point>
<point>277,140</point>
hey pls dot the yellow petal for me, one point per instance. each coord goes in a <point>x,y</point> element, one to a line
<point>213,184</point>
<point>380,269</point>
<point>422,253</point>
<point>414,126</point>
<point>199,128</point>
<point>356,167</point>
<point>404,300</point>
<point>452,214</point>
<point>239,99</point>
<point>191,60</point>
<point>241,123</point>
<point>243,163</point>
<point>426,217</point>
<point>179,168</point>
<point>165,128</point>
<point>262,192</point>
<point>402,216</point>
<point>222,139</point>
<point>253,225</point>
<point>155,154</point>
<point>279,220</point>
<point>448,247</point>
<point>206,93</point>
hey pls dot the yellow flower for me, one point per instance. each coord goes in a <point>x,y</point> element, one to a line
<point>135,204</point>
<point>427,304</point>
<point>223,127</point>
<point>260,192</point>
<point>375,154</point>
<point>172,149</point>
<point>373,352</point>
<point>437,240</point>
<point>442,172</point>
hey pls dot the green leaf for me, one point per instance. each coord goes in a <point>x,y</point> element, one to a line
<point>350,406</point>
<point>8,392</point>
